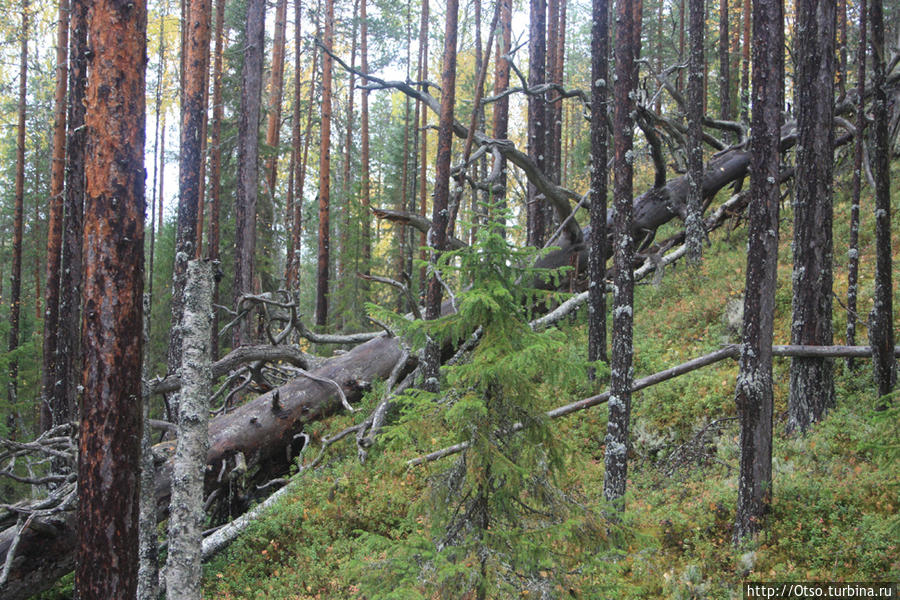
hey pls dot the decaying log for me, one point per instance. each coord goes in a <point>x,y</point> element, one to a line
<point>259,434</point>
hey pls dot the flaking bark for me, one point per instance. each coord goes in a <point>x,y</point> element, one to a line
<point>186,513</point>
<point>110,433</point>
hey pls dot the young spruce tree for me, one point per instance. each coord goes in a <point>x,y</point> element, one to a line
<point>491,516</point>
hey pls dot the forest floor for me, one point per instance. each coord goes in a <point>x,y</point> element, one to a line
<point>835,509</point>
<point>836,490</point>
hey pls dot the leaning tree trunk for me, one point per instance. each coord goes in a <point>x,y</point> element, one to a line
<point>812,379</point>
<point>110,432</point>
<point>753,395</point>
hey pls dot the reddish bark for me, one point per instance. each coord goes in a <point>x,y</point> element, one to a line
<point>325,172</point>
<point>54,226</point>
<point>500,125</point>
<point>276,87</point>
<point>109,450</point>
<point>440,214</point>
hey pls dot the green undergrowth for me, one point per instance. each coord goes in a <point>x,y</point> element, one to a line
<point>836,489</point>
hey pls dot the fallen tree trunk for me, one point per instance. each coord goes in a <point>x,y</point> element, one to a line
<point>257,441</point>
<point>258,438</point>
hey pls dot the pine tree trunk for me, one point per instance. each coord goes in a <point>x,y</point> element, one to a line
<point>364,148</point>
<point>54,224</point>
<point>158,148</point>
<point>438,242</point>
<point>247,163</point>
<point>148,538</point>
<point>15,296</point>
<point>753,394</point>
<point>537,120</point>
<point>322,295</point>
<point>215,169</point>
<point>812,379</point>
<point>853,251</point>
<point>110,433</point>
<point>500,125</point>
<point>276,87</point>
<point>745,63</point>
<point>724,63</point>
<point>597,256</point>
<point>190,164</point>
<point>68,365</point>
<point>616,457</point>
<point>183,565</point>
<point>423,176</point>
<point>346,187</point>
<point>694,233</point>
<point>881,318</point>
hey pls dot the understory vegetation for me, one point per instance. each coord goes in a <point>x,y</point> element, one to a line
<point>345,527</point>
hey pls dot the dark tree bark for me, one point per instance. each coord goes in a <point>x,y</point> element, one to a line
<point>881,318</point>
<point>110,433</point>
<point>537,121</point>
<point>812,379</point>
<point>616,456</point>
<point>439,219</point>
<point>247,162</point>
<point>753,394</point>
<point>346,187</point>
<point>423,175</point>
<point>553,112</point>
<point>49,404</point>
<point>853,251</point>
<point>842,46</point>
<point>325,172</point>
<point>215,168</point>
<point>724,63</point>
<point>297,217</point>
<point>695,99</point>
<point>296,148</point>
<point>190,180</point>
<point>16,283</point>
<point>745,63</point>
<point>597,256</point>
<point>500,125</point>
<point>404,246</point>
<point>365,193</point>
<point>276,87</point>
<point>68,365</point>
